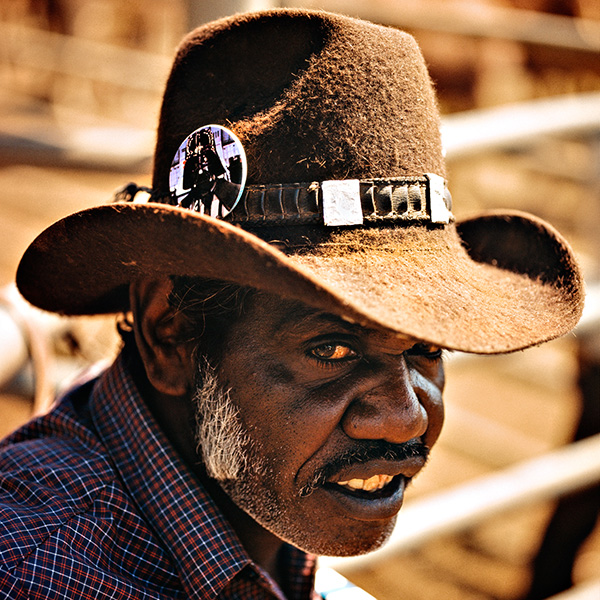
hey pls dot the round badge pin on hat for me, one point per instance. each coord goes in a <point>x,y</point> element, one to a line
<point>208,172</point>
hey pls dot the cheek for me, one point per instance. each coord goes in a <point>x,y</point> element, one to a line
<point>429,389</point>
<point>291,421</point>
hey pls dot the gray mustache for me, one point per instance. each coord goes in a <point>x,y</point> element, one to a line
<point>366,452</point>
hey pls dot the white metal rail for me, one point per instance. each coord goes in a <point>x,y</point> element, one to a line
<point>472,20</point>
<point>554,474</point>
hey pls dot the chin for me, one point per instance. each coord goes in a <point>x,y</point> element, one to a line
<point>345,545</point>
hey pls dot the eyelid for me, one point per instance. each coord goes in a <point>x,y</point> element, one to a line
<point>351,352</point>
<point>425,350</point>
<point>316,344</point>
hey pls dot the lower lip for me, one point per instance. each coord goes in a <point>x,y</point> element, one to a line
<point>381,505</point>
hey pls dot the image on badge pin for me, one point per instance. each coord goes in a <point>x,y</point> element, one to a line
<point>208,171</point>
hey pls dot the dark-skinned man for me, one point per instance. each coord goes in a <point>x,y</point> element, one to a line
<point>281,377</point>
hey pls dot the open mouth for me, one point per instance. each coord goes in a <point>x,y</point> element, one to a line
<point>375,487</point>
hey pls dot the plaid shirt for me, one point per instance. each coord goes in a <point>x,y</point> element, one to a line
<point>95,503</point>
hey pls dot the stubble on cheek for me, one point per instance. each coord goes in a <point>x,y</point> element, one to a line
<point>233,458</point>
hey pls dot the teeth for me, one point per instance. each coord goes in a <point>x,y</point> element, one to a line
<point>368,485</point>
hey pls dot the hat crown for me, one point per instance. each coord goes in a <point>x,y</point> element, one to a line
<point>311,95</point>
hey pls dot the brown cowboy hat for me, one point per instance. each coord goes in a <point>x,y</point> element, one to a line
<point>344,206</point>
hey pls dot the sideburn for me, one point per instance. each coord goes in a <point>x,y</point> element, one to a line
<point>221,437</point>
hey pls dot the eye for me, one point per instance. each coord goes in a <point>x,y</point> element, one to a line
<point>333,352</point>
<point>427,351</point>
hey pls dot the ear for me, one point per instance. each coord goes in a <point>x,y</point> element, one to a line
<point>157,327</point>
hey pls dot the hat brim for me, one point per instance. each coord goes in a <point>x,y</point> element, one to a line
<point>494,283</point>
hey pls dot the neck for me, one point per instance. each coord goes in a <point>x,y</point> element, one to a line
<point>176,417</point>
<point>261,545</point>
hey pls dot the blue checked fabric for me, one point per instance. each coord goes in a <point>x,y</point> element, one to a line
<point>95,503</point>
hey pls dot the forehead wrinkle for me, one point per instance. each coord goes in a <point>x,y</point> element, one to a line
<point>299,317</point>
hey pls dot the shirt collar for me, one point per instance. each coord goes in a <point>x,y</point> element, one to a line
<point>205,549</point>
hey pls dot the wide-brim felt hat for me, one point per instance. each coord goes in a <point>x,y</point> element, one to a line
<point>344,206</point>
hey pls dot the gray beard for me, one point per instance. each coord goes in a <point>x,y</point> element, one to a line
<point>221,438</point>
<point>234,459</point>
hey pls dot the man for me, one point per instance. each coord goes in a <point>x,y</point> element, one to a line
<point>281,377</point>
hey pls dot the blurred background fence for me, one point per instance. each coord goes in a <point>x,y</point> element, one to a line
<point>519,88</point>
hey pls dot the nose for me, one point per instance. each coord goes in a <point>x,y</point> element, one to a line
<point>387,407</point>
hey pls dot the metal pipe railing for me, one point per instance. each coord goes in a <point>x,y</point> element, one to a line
<point>572,467</point>
<point>464,134</point>
<point>473,20</point>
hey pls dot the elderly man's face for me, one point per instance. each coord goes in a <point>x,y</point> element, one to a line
<point>333,421</point>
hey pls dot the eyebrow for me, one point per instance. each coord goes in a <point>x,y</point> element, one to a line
<point>299,317</point>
